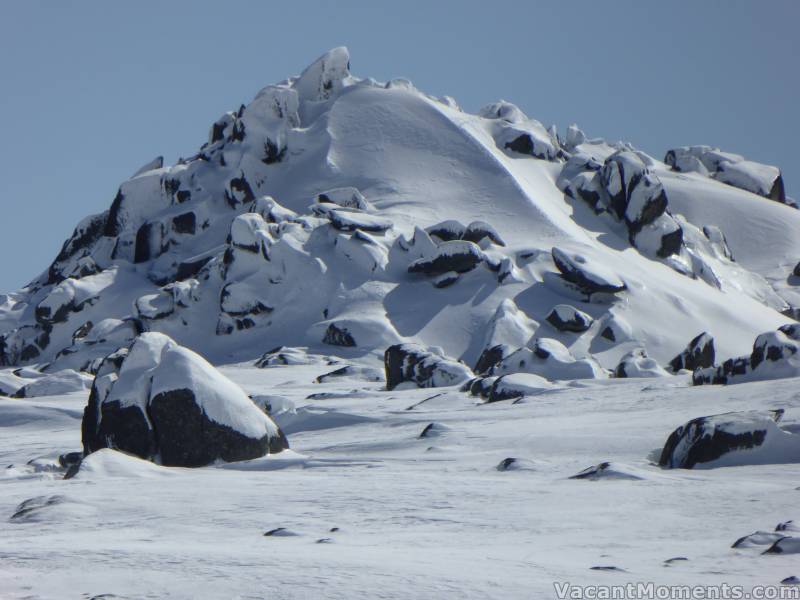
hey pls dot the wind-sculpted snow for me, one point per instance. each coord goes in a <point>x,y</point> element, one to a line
<point>334,212</point>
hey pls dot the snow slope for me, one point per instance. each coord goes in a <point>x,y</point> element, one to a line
<point>176,254</point>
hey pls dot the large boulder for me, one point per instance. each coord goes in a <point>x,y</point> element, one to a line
<point>164,403</point>
<point>699,354</point>
<point>424,368</point>
<point>737,438</point>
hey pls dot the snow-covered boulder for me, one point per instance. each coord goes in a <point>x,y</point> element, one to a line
<point>775,355</point>
<point>699,354</point>
<point>346,197</point>
<point>729,168</point>
<point>456,255</point>
<point>450,230</point>
<point>568,318</point>
<point>65,381</point>
<point>282,356</point>
<point>589,278</point>
<point>549,358</point>
<point>424,368</point>
<point>636,363</point>
<point>729,439</point>
<point>165,403</point>
<point>518,385</point>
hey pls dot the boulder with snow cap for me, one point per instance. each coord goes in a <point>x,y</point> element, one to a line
<point>457,255</point>
<point>568,318</point>
<point>729,439</point>
<point>588,277</point>
<point>699,354</point>
<point>637,363</point>
<point>775,355</point>
<point>551,359</point>
<point>424,368</point>
<point>518,385</point>
<point>164,403</point>
<point>346,197</point>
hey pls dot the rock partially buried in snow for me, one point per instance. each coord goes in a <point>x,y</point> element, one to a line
<point>282,356</point>
<point>729,439</point>
<point>758,538</point>
<point>516,464</point>
<point>568,318</point>
<point>413,363</point>
<point>608,470</point>
<point>167,404</point>
<point>457,256</point>
<point>786,545</point>
<point>775,355</point>
<point>698,354</point>
<point>636,363</point>
<point>551,359</point>
<point>587,277</point>
<point>518,385</point>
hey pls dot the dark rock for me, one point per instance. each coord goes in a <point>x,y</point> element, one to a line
<point>336,336</point>
<point>175,419</point>
<point>589,279</point>
<point>706,439</point>
<point>796,270</point>
<point>568,318</point>
<point>70,458</point>
<point>697,355</point>
<point>455,256</point>
<point>447,231</point>
<point>412,363</point>
<point>185,223</point>
<point>446,279</point>
<point>491,357</point>
<point>239,191</point>
<point>477,230</point>
<point>273,154</point>
<point>188,269</point>
<point>433,430</point>
<point>785,545</point>
<point>351,221</point>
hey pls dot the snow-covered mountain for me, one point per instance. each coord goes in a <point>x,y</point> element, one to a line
<point>338,210</point>
<point>274,308</point>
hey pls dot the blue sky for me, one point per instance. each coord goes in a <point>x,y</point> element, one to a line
<point>93,90</point>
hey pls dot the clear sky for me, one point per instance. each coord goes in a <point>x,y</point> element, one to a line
<point>92,90</point>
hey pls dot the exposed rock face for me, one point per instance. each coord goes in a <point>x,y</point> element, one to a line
<point>730,439</point>
<point>164,403</point>
<point>412,363</point>
<point>568,318</point>
<point>699,354</point>
<point>775,355</point>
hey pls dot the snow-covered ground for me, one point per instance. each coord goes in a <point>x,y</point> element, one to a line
<point>428,517</point>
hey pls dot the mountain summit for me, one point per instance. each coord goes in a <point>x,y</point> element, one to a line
<point>334,211</point>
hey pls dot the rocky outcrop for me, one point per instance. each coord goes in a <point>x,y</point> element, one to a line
<point>775,355</point>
